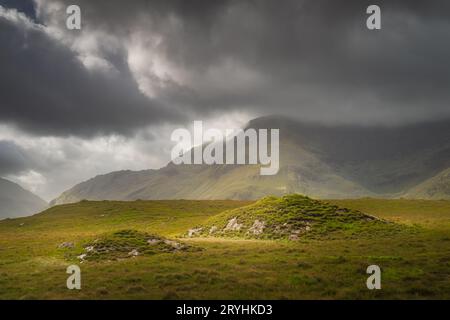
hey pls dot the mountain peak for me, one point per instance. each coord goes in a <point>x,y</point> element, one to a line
<point>17,202</point>
<point>322,161</point>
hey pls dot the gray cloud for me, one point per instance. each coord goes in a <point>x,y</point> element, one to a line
<point>308,59</point>
<point>13,158</point>
<point>44,89</point>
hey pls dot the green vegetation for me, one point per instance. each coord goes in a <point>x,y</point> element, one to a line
<point>125,244</point>
<point>294,217</point>
<point>415,262</point>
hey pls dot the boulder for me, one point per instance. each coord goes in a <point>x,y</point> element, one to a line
<point>213,229</point>
<point>233,225</point>
<point>133,253</point>
<point>257,227</point>
<point>66,245</point>
<point>194,231</point>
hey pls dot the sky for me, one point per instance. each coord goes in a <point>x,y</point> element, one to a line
<point>78,103</point>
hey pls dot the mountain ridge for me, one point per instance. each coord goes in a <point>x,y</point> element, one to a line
<point>317,160</point>
<point>15,201</point>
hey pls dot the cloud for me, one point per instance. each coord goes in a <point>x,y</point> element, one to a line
<point>49,165</point>
<point>174,61</point>
<point>13,159</point>
<point>46,90</point>
<point>314,60</point>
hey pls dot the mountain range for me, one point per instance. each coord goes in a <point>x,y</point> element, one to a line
<point>317,160</point>
<point>18,202</point>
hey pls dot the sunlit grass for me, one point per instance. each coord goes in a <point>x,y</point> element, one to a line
<point>414,265</point>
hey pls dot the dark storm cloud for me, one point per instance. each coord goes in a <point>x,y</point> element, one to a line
<point>308,59</point>
<point>24,6</point>
<point>313,59</point>
<point>45,90</point>
<point>13,159</point>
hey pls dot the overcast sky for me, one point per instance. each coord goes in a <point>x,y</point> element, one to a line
<point>74,104</point>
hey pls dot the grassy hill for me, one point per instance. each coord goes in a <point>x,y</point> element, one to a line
<point>293,217</point>
<point>35,252</point>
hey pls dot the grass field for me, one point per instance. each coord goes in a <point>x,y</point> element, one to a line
<point>415,265</point>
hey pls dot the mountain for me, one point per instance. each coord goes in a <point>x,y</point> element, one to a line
<point>18,202</point>
<point>321,161</point>
<point>435,188</point>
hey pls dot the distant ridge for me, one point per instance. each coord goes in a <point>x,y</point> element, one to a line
<point>18,202</point>
<point>321,161</point>
<point>435,188</point>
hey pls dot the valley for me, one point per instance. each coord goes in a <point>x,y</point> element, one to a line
<point>415,263</point>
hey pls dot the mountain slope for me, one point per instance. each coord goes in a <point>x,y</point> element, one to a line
<point>435,188</point>
<point>315,160</point>
<point>17,202</point>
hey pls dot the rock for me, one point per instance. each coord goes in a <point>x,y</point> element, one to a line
<point>21,225</point>
<point>307,228</point>
<point>82,256</point>
<point>153,242</point>
<point>293,237</point>
<point>257,227</point>
<point>133,253</point>
<point>174,244</point>
<point>66,245</point>
<point>193,232</point>
<point>213,229</point>
<point>233,225</point>
<point>89,249</point>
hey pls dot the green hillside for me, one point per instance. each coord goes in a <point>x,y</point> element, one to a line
<point>35,252</point>
<point>292,217</point>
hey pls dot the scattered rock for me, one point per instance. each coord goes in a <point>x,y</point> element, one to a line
<point>126,244</point>
<point>193,232</point>
<point>133,253</point>
<point>233,225</point>
<point>257,227</point>
<point>293,237</point>
<point>174,244</point>
<point>153,241</point>
<point>308,228</point>
<point>213,229</point>
<point>82,256</point>
<point>66,245</point>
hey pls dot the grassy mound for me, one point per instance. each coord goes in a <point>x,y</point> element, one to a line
<point>292,217</point>
<point>128,244</point>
